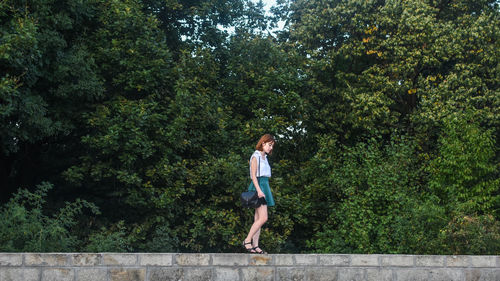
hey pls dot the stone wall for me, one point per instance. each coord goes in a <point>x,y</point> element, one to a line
<point>243,267</point>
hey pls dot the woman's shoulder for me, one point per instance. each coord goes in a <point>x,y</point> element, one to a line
<point>256,153</point>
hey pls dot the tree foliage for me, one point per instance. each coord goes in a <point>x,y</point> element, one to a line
<point>26,228</point>
<point>143,113</point>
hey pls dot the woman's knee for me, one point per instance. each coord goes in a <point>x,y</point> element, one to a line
<point>263,219</point>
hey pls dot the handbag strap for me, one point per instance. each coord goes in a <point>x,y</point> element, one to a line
<point>258,169</point>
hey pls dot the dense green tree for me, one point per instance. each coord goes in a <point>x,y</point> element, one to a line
<point>464,173</point>
<point>164,148</point>
<point>371,200</point>
<point>26,227</point>
<point>385,114</point>
<point>379,68</point>
<point>187,22</point>
<point>48,79</point>
<point>374,63</point>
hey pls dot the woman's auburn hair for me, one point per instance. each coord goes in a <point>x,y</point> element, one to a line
<point>265,138</point>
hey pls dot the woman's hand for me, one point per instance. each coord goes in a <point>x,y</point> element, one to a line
<point>261,194</point>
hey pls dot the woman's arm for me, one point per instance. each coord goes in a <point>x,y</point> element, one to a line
<point>253,175</point>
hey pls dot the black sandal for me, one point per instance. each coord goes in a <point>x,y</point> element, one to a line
<point>250,250</point>
<point>259,252</point>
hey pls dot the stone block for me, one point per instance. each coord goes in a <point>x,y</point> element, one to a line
<point>257,273</point>
<point>473,274</point>
<point>226,274</point>
<point>176,274</point>
<point>119,259</point>
<point>11,259</point>
<point>230,259</point>
<point>198,274</point>
<point>192,259</point>
<point>482,274</point>
<point>31,274</point>
<point>322,274</point>
<point>411,274</point>
<point>396,260</point>
<point>85,259</point>
<point>166,274</point>
<point>336,260</point>
<point>491,275</point>
<point>58,274</point>
<point>378,274</point>
<point>156,259</point>
<point>446,274</point>
<point>306,259</point>
<point>283,259</point>
<point>457,261</point>
<point>261,260</point>
<point>128,274</point>
<point>291,274</point>
<point>46,259</point>
<point>11,274</point>
<point>19,274</point>
<point>430,261</point>
<point>483,261</point>
<point>364,260</point>
<point>91,274</point>
<point>351,274</point>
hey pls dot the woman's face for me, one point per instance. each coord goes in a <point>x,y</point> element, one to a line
<point>268,147</point>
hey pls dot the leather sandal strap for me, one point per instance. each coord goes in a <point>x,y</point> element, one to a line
<point>258,252</point>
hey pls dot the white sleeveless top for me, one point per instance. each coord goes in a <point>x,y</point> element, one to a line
<point>265,169</point>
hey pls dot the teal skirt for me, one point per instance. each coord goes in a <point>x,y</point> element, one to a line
<point>264,185</point>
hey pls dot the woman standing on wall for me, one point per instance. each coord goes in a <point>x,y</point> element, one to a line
<point>260,172</point>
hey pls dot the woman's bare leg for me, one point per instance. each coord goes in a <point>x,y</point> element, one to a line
<point>261,218</point>
<point>255,238</point>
